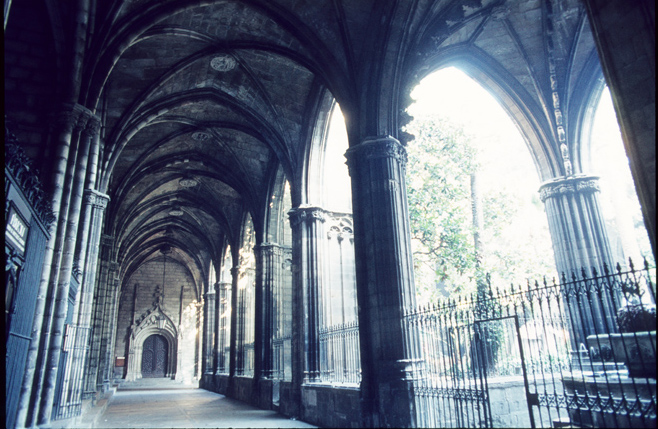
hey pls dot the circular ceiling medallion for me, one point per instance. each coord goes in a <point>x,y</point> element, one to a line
<point>188,182</point>
<point>223,63</point>
<point>200,136</point>
<point>176,211</point>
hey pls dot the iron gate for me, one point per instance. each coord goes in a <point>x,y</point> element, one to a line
<point>535,356</point>
<point>68,396</point>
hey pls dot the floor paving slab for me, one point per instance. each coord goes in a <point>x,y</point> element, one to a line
<point>161,403</point>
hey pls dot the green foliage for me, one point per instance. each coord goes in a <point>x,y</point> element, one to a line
<point>440,161</point>
<point>516,246</point>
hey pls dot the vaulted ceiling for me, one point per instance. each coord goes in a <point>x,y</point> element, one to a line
<point>204,101</point>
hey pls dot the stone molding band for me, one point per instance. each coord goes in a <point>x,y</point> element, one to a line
<point>565,186</point>
<point>76,116</point>
<point>274,249</point>
<point>95,198</point>
<point>306,213</point>
<point>375,148</point>
<point>302,213</point>
<point>26,178</point>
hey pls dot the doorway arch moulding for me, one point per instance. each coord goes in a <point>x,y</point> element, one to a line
<point>154,321</point>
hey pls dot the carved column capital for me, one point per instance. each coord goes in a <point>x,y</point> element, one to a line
<point>93,125</point>
<point>84,117</point>
<point>376,147</point>
<point>95,198</point>
<point>270,249</point>
<point>568,186</point>
<point>306,213</point>
<point>66,117</point>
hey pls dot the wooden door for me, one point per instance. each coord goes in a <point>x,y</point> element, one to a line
<point>154,357</point>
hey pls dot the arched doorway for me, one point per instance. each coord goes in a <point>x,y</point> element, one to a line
<point>154,356</point>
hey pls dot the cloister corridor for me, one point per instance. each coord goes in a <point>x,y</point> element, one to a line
<point>163,403</point>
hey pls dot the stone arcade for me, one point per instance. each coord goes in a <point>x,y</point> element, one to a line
<point>166,190</point>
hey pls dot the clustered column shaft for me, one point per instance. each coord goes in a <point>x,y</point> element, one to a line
<point>271,266</point>
<point>384,273</point>
<point>580,240</point>
<point>77,137</point>
<point>308,221</point>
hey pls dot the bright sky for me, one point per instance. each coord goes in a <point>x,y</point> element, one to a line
<point>449,92</point>
<point>465,98</point>
<point>619,201</point>
<point>507,155</point>
<point>339,193</point>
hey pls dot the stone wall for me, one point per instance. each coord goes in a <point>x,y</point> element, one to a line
<point>322,405</point>
<point>141,288</point>
<point>243,390</point>
<point>331,406</point>
<point>625,33</point>
<point>509,404</point>
<point>30,88</point>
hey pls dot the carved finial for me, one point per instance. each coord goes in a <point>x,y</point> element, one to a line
<point>158,297</point>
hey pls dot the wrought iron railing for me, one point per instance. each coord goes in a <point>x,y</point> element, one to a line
<point>340,361</point>
<point>536,356</point>
<point>245,367</point>
<point>223,357</point>
<point>68,399</point>
<point>282,357</point>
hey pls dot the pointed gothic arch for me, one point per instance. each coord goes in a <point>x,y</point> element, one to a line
<point>154,322</point>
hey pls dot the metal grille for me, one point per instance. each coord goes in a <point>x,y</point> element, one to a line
<point>68,399</point>
<point>536,356</point>
<point>282,356</point>
<point>340,361</point>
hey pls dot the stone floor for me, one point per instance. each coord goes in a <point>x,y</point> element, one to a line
<point>160,403</point>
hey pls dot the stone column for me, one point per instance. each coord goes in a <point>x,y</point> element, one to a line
<point>209,325</point>
<point>100,295</point>
<point>259,319</point>
<point>73,187</point>
<point>235,275</point>
<point>580,241</point>
<point>271,263</point>
<point>384,274</point>
<point>99,203</point>
<point>107,325</point>
<point>223,326</point>
<point>578,232</point>
<point>95,204</point>
<point>63,128</point>
<point>307,222</point>
<point>216,328</point>
<point>625,37</point>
